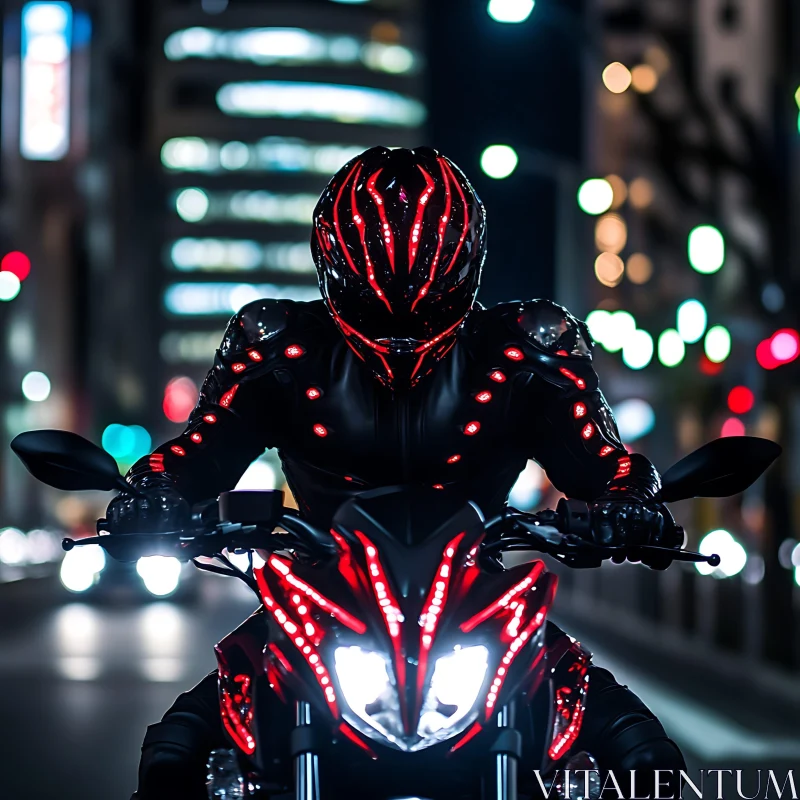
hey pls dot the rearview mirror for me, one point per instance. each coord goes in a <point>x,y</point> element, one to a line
<point>720,468</point>
<point>67,461</point>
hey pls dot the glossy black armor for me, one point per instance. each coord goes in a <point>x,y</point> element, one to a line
<point>518,383</point>
<point>399,242</point>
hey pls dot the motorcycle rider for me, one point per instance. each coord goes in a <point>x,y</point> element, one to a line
<point>398,376</point>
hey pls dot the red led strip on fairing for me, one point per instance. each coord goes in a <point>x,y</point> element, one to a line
<point>512,652</point>
<point>362,232</point>
<point>386,229</point>
<point>502,602</point>
<point>392,616</point>
<point>434,607</point>
<point>231,717</point>
<point>416,231</point>
<point>564,740</point>
<point>466,215</point>
<point>282,567</point>
<point>443,220</point>
<point>336,227</point>
<point>301,643</point>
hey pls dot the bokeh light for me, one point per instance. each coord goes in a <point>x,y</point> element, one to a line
<point>9,286</point>
<point>733,557</point>
<point>595,196</point>
<point>718,344</point>
<point>637,350</point>
<point>671,348</point>
<point>692,320</point>
<point>17,263</point>
<point>499,161</point>
<point>619,188</point>
<point>511,11</point>
<point>644,78</point>
<point>191,204</point>
<point>635,418</point>
<point>639,268</point>
<point>616,77</point>
<point>36,387</point>
<point>640,193</point>
<point>732,426</point>
<point>609,269</point>
<point>180,398</point>
<point>620,327</point>
<point>706,249</point>
<point>740,400</point>
<point>610,233</point>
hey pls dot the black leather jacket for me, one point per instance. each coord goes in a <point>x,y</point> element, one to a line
<point>518,384</point>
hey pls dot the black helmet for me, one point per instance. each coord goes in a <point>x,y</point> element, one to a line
<point>399,242</point>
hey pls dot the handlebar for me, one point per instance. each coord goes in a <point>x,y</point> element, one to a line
<point>563,534</point>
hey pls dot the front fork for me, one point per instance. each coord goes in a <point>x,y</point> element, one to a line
<point>506,751</point>
<point>306,759</point>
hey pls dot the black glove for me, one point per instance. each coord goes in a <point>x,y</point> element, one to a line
<point>632,521</point>
<point>159,508</point>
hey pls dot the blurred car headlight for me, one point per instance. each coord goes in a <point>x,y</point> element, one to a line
<point>81,566</point>
<point>454,689</point>
<point>368,689</point>
<point>160,574</point>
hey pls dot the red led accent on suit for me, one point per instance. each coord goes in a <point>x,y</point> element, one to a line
<point>502,602</point>
<point>349,733</point>
<point>418,365</point>
<point>579,410</point>
<point>564,742</point>
<point>497,376</point>
<point>179,451</point>
<point>513,651</point>
<point>437,486</point>
<point>579,382</point>
<point>239,367</point>
<point>443,220</point>
<point>606,449</point>
<point>227,398</point>
<point>157,462</point>
<point>588,431</point>
<point>471,428</point>
<point>197,438</point>
<point>255,355</point>
<point>336,226</point>
<point>313,393</point>
<point>231,716</point>
<point>392,616</point>
<point>483,397</point>
<point>434,608</point>
<point>453,459</point>
<point>282,567</point>
<point>416,230</point>
<point>304,646</point>
<point>347,478</point>
<point>471,733</point>
<point>294,351</point>
<point>385,365</point>
<point>562,353</point>
<point>623,467</point>
<point>359,222</point>
<point>210,419</point>
<point>320,430</point>
<point>386,229</point>
<point>465,228</point>
<point>513,353</point>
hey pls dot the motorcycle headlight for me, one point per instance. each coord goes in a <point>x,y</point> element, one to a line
<point>368,688</point>
<point>454,689</point>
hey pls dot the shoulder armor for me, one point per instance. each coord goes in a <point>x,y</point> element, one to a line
<point>256,322</point>
<point>552,328</point>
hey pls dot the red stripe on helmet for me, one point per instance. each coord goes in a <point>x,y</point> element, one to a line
<point>386,229</point>
<point>336,226</point>
<point>443,220</point>
<point>416,231</point>
<point>362,232</point>
<point>466,214</point>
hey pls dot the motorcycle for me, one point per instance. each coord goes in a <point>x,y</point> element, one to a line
<point>395,656</point>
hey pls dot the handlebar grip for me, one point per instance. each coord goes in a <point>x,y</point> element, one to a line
<point>574,517</point>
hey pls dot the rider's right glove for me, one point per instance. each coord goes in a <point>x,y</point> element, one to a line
<point>160,508</point>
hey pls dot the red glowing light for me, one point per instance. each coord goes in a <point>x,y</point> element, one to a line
<point>740,400</point>
<point>239,367</point>
<point>483,397</point>
<point>313,393</point>
<point>438,486</point>
<point>255,355</point>
<point>588,431</point>
<point>579,382</point>
<point>226,399</point>
<point>782,347</point>
<point>180,398</point>
<point>497,376</point>
<point>471,428</point>
<point>210,419</point>
<point>294,351</point>
<point>16,263</point>
<point>732,426</point>
<point>157,462</point>
<point>513,353</point>
<point>454,458</point>
<point>708,367</point>
<point>606,449</point>
<point>196,438</point>
<point>579,410</point>
<point>320,430</point>
<point>179,451</point>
